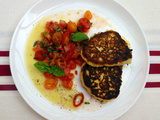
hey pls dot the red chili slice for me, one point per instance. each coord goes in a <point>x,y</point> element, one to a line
<point>76,97</point>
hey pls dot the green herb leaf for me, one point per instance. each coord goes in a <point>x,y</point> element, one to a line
<point>45,42</point>
<point>91,23</point>
<point>86,102</point>
<point>58,29</point>
<point>41,44</point>
<point>41,66</point>
<point>55,51</point>
<point>49,49</point>
<point>59,45</point>
<point>57,71</point>
<point>45,33</point>
<point>35,43</point>
<point>79,36</point>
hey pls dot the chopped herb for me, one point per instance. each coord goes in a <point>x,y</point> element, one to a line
<point>41,44</point>
<point>58,29</point>
<point>86,102</point>
<point>91,23</point>
<point>55,51</point>
<point>49,49</point>
<point>80,26</point>
<point>35,43</point>
<point>45,33</point>
<point>43,54</point>
<point>59,45</point>
<point>45,42</point>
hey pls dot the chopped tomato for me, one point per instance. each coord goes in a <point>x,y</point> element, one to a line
<point>66,70</point>
<point>65,37</point>
<point>37,47</point>
<point>39,55</point>
<point>79,61</point>
<point>83,25</point>
<point>72,27</point>
<point>75,54</point>
<point>78,99</point>
<point>70,76</point>
<point>60,63</point>
<point>67,84</point>
<point>71,65</point>
<point>57,38</point>
<point>65,78</point>
<point>48,75</point>
<point>46,35</point>
<point>50,84</point>
<point>76,72</point>
<point>50,27</point>
<point>62,24</point>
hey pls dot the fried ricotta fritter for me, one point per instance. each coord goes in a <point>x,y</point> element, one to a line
<point>106,49</point>
<point>103,83</point>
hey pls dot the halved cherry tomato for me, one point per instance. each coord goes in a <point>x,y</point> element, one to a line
<point>72,27</point>
<point>67,84</point>
<point>80,98</point>
<point>57,38</point>
<point>88,15</point>
<point>50,84</point>
<point>39,56</point>
<point>83,25</point>
<point>62,24</point>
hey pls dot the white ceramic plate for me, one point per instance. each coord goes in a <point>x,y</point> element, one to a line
<point>134,76</point>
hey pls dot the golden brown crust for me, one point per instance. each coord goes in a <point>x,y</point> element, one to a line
<point>106,49</point>
<point>103,83</point>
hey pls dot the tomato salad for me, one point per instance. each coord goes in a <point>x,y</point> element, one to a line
<point>58,52</point>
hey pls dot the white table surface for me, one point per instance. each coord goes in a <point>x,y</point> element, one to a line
<point>147,13</point>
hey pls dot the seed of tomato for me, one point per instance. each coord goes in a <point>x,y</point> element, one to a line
<point>72,27</point>
<point>50,84</point>
<point>88,15</point>
<point>39,56</point>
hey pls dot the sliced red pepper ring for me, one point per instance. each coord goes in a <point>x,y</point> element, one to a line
<point>78,99</point>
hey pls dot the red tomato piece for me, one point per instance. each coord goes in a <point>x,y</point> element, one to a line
<point>67,84</point>
<point>48,75</point>
<point>62,24</point>
<point>37,47</point>
<point>65,37</point>
<point>60,63</point>
<point>65,78</point>
<point>66,70</point>
<point>39,55</point>
<point>83,25</point>
<point>71,64</point>
<point>79,61</point>
<point>50,84</point>
<point>70,76</point>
